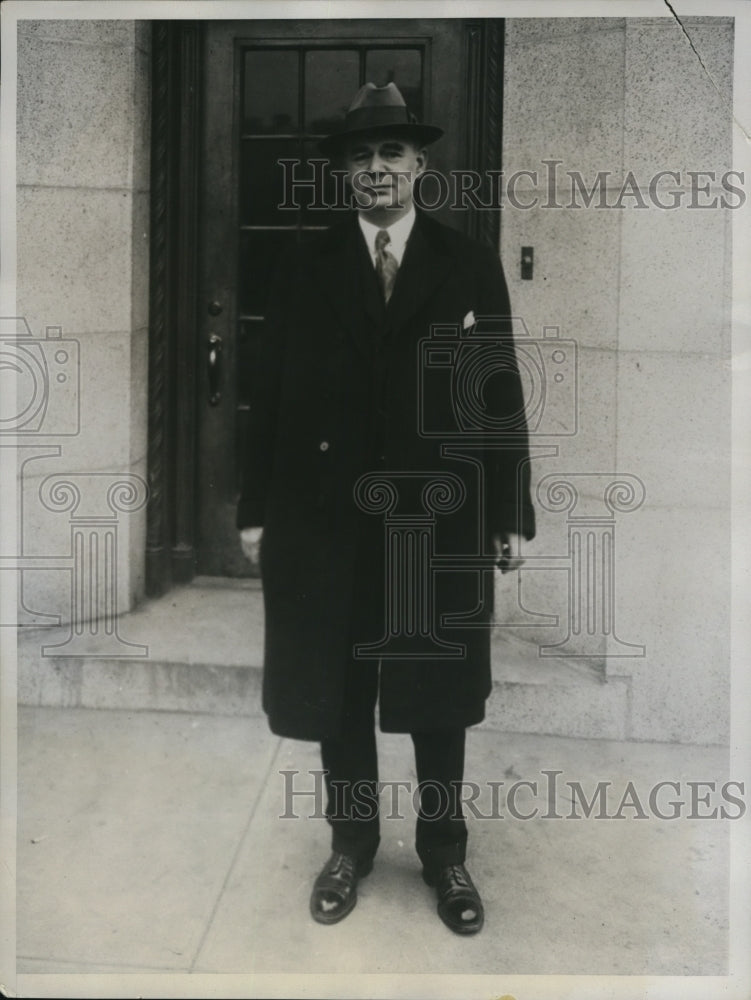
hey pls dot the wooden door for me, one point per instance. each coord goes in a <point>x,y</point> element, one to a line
<point>270,90</point>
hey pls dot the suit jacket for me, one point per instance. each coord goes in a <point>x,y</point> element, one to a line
<point>347,387</point>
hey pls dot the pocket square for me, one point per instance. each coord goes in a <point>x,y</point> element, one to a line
<point>469,320</point>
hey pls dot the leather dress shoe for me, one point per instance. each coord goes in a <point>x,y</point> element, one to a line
<point>459,903</point>
<point>335,889</point>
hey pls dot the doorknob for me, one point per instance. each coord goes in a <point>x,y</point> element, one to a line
<point>215,368</point>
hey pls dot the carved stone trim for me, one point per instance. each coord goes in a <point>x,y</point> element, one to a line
<point>184,373</point>
<point>484,110</point>
<point>175,68</point>
<point>157,575</point>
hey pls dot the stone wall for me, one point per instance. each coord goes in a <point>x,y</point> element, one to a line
<point>83,250</point>
<point>645,293</point>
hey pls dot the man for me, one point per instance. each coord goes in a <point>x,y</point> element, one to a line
<point>340,395</point>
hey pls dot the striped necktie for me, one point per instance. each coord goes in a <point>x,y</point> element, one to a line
<point>386,264</point>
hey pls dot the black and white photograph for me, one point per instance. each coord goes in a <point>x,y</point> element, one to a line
<point>375,410</point>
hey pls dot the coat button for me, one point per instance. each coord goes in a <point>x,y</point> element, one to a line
<point>324,446</point>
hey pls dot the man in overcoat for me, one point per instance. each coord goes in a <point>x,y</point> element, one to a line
<point>351,415</point>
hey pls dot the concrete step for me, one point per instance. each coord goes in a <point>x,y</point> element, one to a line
<point>199,648</point>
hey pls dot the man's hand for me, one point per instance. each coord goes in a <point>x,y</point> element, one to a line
<point>507,545</point>
<point>250,541</point>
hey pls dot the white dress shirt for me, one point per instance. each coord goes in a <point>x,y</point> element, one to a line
<point>398,231</point>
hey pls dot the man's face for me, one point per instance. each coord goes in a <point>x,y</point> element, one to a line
<point>382,170</point>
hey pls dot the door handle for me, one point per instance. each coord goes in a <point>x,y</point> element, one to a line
<point>215,347</point>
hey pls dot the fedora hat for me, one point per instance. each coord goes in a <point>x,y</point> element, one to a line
<point>379,109</point>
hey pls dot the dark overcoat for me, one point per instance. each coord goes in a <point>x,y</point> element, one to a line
<point>346,386</point>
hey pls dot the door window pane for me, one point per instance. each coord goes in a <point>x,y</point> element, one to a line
<point>404,68</point>
<point>271,92</point>
<point>333,191</point>
<point>331,81</point>
<point>262,181</point>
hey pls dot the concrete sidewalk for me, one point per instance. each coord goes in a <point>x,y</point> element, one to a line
<point>151,842</point>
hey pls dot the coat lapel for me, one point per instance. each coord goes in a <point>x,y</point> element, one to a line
<point>346,276</point>
<point>425,266</point>
<point>341,271</point>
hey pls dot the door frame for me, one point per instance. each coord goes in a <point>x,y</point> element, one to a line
<point>176,87</point>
